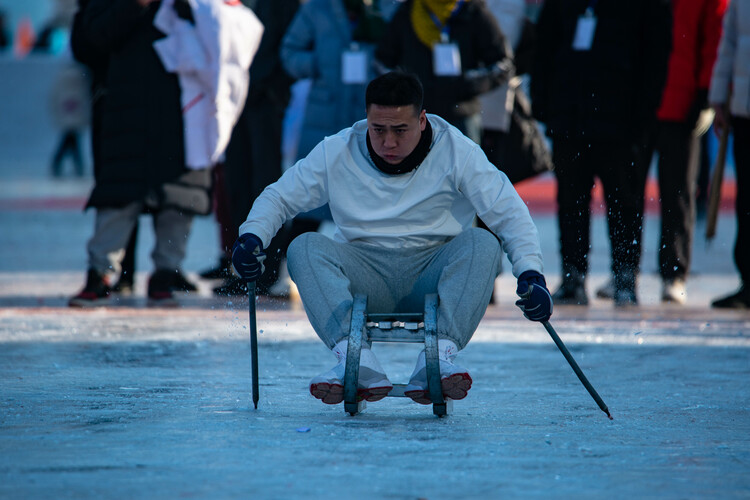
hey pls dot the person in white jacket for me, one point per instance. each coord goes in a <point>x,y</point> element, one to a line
<point>403,187</point>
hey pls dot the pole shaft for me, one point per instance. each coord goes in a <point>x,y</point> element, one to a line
<point>253,341</point>
<point>564,350</point>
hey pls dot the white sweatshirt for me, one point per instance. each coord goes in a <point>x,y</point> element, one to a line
<point>427,206</point>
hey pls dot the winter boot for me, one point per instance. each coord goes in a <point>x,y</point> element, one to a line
<point>455,381</point>
<point>94,294</point>
<point>625,295</point>
<point>572,290</point>
<point>160,287</point>
<point>738,300</point>
<point>373,384</point>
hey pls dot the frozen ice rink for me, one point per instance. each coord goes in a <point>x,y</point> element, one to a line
<point>135,402</point>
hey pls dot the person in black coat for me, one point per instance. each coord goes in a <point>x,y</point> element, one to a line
<point>418,26</point>
<point>596,83</point>
<point>141,160</point>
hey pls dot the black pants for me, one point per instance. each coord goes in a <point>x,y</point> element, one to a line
<point>68,146</point>
<point>678,153</point>
<point>577,164</point>
<point>253,161</point>
<point>741,127</point>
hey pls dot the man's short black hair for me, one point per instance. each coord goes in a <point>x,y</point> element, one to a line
<point>396,88</point>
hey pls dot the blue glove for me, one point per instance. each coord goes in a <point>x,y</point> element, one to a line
<point>535,301</point>
<point>248,257</point>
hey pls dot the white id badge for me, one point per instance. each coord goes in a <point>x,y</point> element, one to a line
<point>584,36</point>
<point>354,67</point>
<point>446,59</point>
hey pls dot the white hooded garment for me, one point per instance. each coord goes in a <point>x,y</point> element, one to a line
<point>212,60</point>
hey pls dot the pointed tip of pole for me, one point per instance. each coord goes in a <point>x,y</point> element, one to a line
<point>610,416</point>
<point>255,404</point>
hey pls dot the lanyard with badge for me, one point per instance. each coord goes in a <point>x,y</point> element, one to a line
<point>585,28</point>
<point>446,58</point>
<point>354,65</point>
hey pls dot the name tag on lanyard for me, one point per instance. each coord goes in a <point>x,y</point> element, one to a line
<point>446,58</point>
<point>354,66</point>
<point>585,29</point>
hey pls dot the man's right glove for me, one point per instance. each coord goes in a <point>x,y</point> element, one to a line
<point>535,301</point>
<point>248,257</point>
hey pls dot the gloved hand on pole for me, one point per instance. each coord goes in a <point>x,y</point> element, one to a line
<point>535,301</point>
<point>248,257</point>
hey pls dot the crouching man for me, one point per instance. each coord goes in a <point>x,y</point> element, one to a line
<point>403,187</point>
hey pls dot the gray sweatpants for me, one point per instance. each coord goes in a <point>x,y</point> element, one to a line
<point>462,272</point>
<point>112,229</point>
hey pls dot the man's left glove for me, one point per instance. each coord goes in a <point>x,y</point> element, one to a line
<point>248,257</point>
<point>535,301</point>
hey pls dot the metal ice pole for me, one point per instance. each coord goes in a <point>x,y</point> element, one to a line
<point>576,368</point>
<point>253,341</point>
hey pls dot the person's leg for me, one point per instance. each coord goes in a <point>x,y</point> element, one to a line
<point>677,185</point>
<point>742,203</point>
<point>575,180</point>
<point>741,298</point>
<point>623,193</point>
<point>462,272</point>
<point>127,272</point>
<point>112,228</point>
<point>172,229</point>
<point>328,274</point>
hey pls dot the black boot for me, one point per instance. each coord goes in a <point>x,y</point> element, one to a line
<point>94,294</point>
<point>572,290</point>
<point>738,300</point>
<point>625,295</point>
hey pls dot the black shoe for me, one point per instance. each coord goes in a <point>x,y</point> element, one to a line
<point>738,300</point>
<point>572,291</point>
<point>160,286</point>
<point>222,271</point>
<point>232,287</point>
<point>181,284</point>
<point>625,298</point>
<point>94,294</point>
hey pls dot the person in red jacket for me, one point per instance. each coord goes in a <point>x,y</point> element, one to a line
<point>696,29</point>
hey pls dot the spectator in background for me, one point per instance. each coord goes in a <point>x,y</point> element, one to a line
<point>696,28</point>
<point>597,81</point>
<point>456,49</point>
<point>69,107</point>
<point>4,35</point>
<point>253,157</point>
<point>142,156</point>
<point>330,42</point>
<point>732,108</point>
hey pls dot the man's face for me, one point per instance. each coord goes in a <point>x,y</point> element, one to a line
<point>394,130</point>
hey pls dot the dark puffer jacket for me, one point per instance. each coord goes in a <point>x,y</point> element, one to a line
<point>611,91</point>
<point>480,42</point>
<point>141,136</point>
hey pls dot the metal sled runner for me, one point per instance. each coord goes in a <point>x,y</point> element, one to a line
<point>395,327</point>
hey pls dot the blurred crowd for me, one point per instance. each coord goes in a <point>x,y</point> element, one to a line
<point>592,90</point>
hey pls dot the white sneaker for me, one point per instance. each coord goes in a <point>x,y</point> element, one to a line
<point>455,381</point>
<point>674,291</point>
<point>373,384</point>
